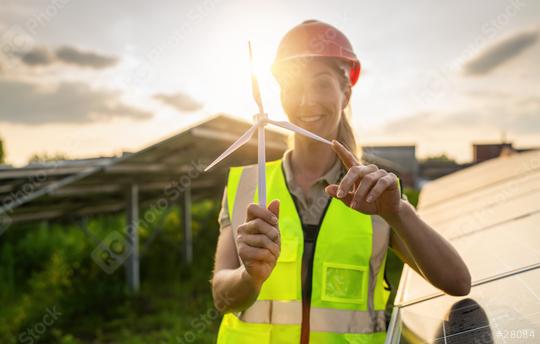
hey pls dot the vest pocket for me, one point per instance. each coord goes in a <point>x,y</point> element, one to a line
<point>345,283</point>
<point>282,284</point>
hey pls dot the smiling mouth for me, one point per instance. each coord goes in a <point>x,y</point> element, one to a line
<point>310,119</point>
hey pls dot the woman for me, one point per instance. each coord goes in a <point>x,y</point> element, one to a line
<point>310,267</point>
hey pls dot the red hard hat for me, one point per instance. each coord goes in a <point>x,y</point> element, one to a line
<point>314,38</point>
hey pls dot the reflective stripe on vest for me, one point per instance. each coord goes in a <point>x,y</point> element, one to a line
<point>348,296</point>
<point>321,319</point>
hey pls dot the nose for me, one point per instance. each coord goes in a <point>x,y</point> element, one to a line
<point>305,98</point>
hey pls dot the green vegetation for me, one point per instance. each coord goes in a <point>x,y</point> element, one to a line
<point>45,157</point>
<point>49,268</point>
<point>412,195</point>
<point>441,158</point>
<point>2,153</point>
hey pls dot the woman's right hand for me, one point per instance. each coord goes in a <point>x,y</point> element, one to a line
<point>259,241</point>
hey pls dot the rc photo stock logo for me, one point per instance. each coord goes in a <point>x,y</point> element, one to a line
<point>15,41</point>
<point>32,334</point>
<point>112,251</point>
<point>5,222</point>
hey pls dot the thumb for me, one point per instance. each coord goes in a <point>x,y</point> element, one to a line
<point>274,207</point>
<point>332,191</point>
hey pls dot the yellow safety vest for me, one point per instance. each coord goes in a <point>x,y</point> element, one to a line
<point>348,288</point>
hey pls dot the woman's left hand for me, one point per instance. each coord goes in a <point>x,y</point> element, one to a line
<point>366,188</point>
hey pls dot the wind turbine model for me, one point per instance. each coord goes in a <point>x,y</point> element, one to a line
<point>261,120</point>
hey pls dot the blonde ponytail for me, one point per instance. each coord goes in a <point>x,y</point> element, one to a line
<point>345,131</point>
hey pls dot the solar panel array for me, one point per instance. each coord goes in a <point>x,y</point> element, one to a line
<point>70,189</point>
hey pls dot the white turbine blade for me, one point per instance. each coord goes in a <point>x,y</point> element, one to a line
<point>237,144</point>
<point>261,162</point>
<point>254,83</point>
<point>299,130</point>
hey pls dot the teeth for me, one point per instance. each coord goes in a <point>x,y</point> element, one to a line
<point>311,118</point>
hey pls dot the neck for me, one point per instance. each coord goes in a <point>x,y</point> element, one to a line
<point>311,158</point>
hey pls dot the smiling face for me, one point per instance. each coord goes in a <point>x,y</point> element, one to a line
<point>314,93</point>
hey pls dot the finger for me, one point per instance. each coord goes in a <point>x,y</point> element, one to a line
<point>259,226</point>
<point>366,184</point>
<point>332,191</point>
<point>248,253</point>
<point>382,185</point>
<point>354,174</point>
<point>344,154</point>
<point>273,207</point>
<point>262,241</point>
<point>255,211</point>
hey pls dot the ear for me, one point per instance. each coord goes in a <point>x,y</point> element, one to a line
<point>346,96</point>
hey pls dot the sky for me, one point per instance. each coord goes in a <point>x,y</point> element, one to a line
<point>96,78</point>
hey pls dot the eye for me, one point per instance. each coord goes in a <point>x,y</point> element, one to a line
<point>323,84</point>
<point>293,89</point>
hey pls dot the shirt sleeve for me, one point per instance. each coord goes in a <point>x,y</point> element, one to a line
<point>379,224</point>
<point>224,219</point>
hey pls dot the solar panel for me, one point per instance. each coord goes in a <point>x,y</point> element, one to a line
<point>506,310</point>
<point>478,177</point>
<point>491,214</point>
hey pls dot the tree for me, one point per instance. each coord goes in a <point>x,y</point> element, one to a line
<point>442,158</point>
<point>1,151</point>
<point>44,157</point>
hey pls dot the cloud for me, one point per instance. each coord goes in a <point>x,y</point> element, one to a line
<point>500,52</point>
<point>453,132</point>
<point>180,101</point>
<point>432,123</point>
<point>67,102</point>
<point>42,56</point>
<point>531,101</point>
<point>37,56</point>
<point>74,56</point>
<point>517,115</point>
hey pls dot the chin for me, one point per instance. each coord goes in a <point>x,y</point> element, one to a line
<point>322,132</point>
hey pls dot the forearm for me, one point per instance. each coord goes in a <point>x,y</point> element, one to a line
<point>434,256</point>
<point>234,290</point>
